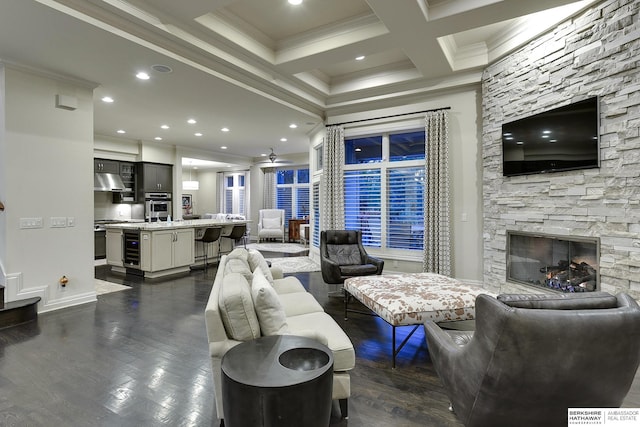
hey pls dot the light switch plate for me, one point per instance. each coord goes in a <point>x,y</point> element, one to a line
<point>58,222</point>
<point>30,222</point>
<point>71,221</point>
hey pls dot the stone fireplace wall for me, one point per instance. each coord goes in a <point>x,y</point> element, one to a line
<point>595,53</point>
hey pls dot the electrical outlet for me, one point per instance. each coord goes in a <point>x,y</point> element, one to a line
<point>58,221</point>
<point>30,222</point>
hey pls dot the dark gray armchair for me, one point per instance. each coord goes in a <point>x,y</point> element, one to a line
<point>532,357</point>
<point>342,256</point>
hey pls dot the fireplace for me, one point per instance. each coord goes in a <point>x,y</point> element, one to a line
<point>560,263</point>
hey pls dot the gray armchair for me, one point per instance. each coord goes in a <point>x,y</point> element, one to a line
<point>342,256</point>
<point>532,357</point>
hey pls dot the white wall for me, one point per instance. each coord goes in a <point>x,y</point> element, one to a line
<point>46,171</point>
<point>465,167</point>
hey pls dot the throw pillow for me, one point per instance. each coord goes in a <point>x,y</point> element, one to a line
<point>270,222</point>
<point>240,253</point>
<point>238,265</point>
<point>269,310</point>
<point>256,260</point>
<point>236,308</point>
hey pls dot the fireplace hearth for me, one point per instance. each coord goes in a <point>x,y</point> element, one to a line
<point>560,263</point>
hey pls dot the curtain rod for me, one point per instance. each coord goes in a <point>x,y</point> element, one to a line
<point>388,117</point>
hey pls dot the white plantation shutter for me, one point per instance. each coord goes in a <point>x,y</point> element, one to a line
<point>405,201</point>
<point>362,204</point>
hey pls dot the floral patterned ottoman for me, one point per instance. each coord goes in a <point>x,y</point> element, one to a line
<point>411,298</point>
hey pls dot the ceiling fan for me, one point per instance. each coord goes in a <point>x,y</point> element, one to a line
<point>273,159</point>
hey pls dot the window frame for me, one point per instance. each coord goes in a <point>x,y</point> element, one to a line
<point>384,166</point>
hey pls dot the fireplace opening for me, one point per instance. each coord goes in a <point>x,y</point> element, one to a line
<point>561,263</point>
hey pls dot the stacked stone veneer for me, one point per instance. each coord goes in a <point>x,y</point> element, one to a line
<point>595,53</point>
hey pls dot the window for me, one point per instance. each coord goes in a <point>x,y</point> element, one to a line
<point>406,146</point>
<point>363,150</point>
<point>383,198</point>
<point>405,223</point>
<point>362,204</point>
<point>319,154</point>
<point>234,194</point>
<point>292,192</point>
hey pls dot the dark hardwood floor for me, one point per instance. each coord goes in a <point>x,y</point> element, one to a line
<point>139,357</point>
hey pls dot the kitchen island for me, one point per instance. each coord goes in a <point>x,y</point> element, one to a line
<point>157,249</point>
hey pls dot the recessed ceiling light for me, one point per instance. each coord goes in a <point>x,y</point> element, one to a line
<point>224,147</point>
<point>157,138</point>
<point>164,127</point>
<point>295,2</point>
<point>161,68</point>
<point>142,75</point>
<point>121,131</point>
<point>293,125</point>
<point>225,129</point>
<point>192,121</point>
<point>359,58</point>
<point>283,139</point>
<point>553,140</point>
<point>197,134</point>
<point>358,149</point>
<point>107,99</point>
<point>520,143</point>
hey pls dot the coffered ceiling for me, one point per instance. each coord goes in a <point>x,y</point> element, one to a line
<point>257,66</point>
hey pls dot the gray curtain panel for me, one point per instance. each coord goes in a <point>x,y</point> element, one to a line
<point>269,189</point>
<point>332,214</point>
<point>437,242</point>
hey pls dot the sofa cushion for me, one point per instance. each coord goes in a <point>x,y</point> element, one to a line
<point>236,308</point>
<point>344,355</point>
<point>296,303</point>
<point>238,265</point>
<point>271,223</point>
<point>287,285</point>
<point>240,253</point>
<point>271,315</point>
<point>256,259</point>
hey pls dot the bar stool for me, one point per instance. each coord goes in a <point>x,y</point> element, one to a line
<point>210,235</point>
<point>238,232</point>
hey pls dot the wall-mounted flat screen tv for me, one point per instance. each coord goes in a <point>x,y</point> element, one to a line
<point>560,139</point>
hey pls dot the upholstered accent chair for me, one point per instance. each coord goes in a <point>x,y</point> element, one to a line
<point>532,357</point>
<point>342,256</point>
<point>271,224</point>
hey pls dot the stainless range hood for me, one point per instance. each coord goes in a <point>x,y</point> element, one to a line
<point>107,182</point>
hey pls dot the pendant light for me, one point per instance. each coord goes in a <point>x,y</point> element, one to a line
<point>191,185</point>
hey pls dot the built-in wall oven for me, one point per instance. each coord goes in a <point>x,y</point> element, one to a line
<point>157,206</point>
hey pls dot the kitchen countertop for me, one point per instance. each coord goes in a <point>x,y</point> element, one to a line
<point>163,225</point>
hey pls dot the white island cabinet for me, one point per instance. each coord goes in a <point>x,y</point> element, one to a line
<point>163,248</point>
<point>114,247</point>
<point>165,252</point>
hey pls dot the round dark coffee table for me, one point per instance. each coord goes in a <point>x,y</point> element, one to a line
<point>281,380</point>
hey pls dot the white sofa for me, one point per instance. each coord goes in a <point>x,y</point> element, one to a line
<point>246,303</point>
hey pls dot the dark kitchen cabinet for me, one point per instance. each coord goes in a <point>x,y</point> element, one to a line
<point>128,175</point>
<point>106,166</point>
<point>156,177</point>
